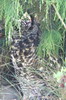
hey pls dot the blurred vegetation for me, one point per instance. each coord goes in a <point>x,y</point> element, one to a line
<point>51,15</point>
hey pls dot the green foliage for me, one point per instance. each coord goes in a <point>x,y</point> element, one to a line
<point>1,8</point>
<point>60,5</point>
<point>50,43</point>
<point>10,12</point>
<point>60,74</point>
<point>53,21</point>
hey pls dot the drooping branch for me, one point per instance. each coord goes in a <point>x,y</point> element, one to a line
<point>59,16</point>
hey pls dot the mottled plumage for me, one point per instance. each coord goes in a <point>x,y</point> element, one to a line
<point>24,59</point>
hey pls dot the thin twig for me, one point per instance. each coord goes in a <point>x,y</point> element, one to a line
<point>59,16</point>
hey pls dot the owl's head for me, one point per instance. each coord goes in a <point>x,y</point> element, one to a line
<point>26,21</point>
